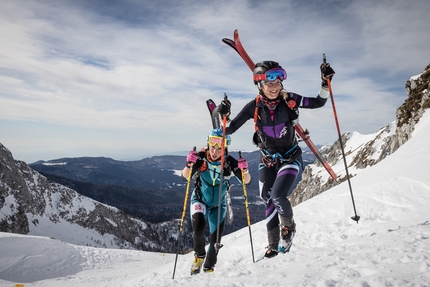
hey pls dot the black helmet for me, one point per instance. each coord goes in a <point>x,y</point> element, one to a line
<point>263,67</point>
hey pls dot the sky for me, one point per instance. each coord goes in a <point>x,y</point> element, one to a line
<point>129,79</point>
<point>389,246</point>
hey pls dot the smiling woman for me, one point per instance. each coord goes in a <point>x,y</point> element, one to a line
<point>275,113</point>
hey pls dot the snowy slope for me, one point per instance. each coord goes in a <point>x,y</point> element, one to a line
<point>361,152</point>
<point>390,246</point>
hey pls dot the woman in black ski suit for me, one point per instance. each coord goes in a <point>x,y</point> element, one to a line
<point>275,111</point>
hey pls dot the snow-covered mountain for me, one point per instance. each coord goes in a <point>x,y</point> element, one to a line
<point>30,204</point>
<point>364,151</point>
<point>388,247</point>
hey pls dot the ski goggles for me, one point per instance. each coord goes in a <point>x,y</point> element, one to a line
<point>271,75</point>
<point>216,141</point>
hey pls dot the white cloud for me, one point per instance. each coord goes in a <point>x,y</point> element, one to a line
<point>128,66</point>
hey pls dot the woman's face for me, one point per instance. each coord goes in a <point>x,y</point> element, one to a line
<point>215,152</point>
<point>272,89</point>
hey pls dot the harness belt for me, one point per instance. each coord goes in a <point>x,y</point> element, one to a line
<point>269,159</point>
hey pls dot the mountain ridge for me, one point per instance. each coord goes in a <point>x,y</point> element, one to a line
<point>361,154</point>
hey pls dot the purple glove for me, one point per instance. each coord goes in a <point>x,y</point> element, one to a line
<point>192,157</point>
<point>242,163</point>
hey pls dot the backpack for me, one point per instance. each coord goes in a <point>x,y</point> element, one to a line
<point>293,115</point>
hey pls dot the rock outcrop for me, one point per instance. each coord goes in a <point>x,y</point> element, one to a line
<point>371,150</point>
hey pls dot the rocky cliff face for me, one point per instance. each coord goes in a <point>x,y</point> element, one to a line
<point>364,151</point>
<point>409,114</point>
<point>30,204</point>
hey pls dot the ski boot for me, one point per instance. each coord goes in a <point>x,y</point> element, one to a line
<point>208,269</point>
<point>270,253</point>
<point>286,241</point>
<point>196,266</point>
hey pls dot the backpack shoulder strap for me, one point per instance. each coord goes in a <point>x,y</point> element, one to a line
<point>257,100</point>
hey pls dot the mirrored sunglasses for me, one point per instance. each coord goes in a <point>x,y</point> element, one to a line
<point>271,75</point>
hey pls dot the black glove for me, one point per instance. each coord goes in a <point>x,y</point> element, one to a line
<point>225,108</point>
<point>327,72</point>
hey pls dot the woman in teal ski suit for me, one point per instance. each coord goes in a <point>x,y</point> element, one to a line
<point>205,167</point>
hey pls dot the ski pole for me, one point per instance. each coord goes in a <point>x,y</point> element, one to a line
<point>218,245</point>
<point>355,217</point>
<point>183,215</point>
<point>247,209</point>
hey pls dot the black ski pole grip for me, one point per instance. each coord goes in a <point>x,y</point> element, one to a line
<point>240,154</point>
<point>194,149</point>
<point>324,58</point>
